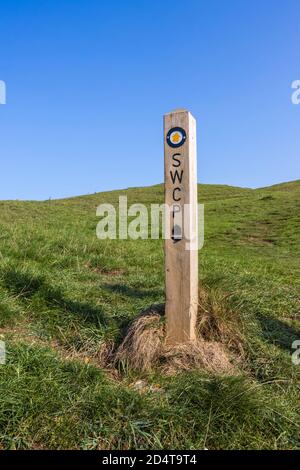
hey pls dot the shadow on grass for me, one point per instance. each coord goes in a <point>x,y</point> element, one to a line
<point>26,286</point>
<point>277,332</point>
<point>133,291</point>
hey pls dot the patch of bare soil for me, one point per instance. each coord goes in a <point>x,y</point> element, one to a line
<point>105,271</point>
<point>260,241</point>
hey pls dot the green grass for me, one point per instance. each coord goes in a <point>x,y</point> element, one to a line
<point>62,290</point>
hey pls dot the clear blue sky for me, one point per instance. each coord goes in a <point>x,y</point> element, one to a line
<point>89,81</point>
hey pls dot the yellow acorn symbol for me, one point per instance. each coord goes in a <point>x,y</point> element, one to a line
<point>176,137</point>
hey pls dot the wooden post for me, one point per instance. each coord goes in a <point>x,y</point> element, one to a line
<point>181,250</point>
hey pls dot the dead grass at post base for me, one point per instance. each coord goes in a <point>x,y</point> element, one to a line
<point>218,348</point>
<point>143,344</point>
<point>206,355</point>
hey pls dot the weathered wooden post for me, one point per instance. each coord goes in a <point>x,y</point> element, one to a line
<point>181,249</point>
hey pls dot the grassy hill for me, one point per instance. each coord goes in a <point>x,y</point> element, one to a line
<point>64,294</point>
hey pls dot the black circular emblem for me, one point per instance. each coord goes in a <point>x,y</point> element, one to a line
<point>176,137</point>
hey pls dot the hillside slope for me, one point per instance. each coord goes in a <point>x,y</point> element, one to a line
<point>64,294</point>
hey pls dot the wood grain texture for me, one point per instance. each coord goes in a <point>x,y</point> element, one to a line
<point>181,262</point>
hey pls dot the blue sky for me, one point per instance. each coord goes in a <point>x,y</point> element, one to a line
<point>89,81</point>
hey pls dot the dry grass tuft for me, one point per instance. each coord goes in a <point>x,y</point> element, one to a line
<point>105,352</point>
<point>142,346</point>
<point>219,346</point>
<point>208,355</point>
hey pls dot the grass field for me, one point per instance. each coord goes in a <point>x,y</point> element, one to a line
<point>64,293</point>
